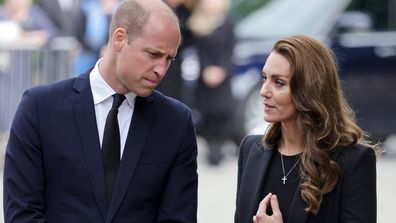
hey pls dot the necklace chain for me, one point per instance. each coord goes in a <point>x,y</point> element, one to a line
<point>284,178</point>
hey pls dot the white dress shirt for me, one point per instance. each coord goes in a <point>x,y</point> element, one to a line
<point>103,100</point>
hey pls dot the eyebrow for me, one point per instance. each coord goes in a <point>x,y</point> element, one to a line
<point>277,75</point>
<point>160,52</point>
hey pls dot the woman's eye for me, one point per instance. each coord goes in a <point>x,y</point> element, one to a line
<point>279,83</point>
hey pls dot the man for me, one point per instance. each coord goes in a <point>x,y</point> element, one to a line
<point>57,166</point>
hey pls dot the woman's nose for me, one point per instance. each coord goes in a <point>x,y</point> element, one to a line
<point>265,91</point>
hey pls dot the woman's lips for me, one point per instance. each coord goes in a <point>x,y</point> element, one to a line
<point>268,107</point>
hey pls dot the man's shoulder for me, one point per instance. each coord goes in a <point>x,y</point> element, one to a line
<point>62,85</point>
<point>169,102</point>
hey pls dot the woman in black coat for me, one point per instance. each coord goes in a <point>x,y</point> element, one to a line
<point>314,163</point>
<point>215,40</point>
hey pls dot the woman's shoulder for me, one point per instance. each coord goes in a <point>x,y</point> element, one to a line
<point>251,140</point>
<point>252,143</point>
<point>350,156</point>
<point>355,150</point>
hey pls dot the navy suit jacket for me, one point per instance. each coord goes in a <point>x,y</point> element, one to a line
<point>53,165</point>
<point>353,200</point>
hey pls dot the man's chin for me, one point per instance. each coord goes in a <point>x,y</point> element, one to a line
<point>145,92</point>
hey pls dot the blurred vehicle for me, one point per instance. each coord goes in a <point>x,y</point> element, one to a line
<point>367,59</point>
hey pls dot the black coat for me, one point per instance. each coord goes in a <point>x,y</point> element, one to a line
<point>353,200</point>
<point>216,49</point>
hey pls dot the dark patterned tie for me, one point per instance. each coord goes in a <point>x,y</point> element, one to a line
<point>111,145</point>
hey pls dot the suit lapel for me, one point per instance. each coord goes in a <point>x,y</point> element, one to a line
<point>252,184</point>
<point>296,211</point>
<point>84,111</point>
<point>143,116</point>
<point>252,181</point>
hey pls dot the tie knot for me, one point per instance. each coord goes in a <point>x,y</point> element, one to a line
<point>118,99</point>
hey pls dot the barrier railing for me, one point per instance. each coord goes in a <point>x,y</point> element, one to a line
<point>24,66</point>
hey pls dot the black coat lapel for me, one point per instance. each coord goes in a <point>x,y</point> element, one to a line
<point>84,111</point>
<point>252,181</point>
<point>296,211</point>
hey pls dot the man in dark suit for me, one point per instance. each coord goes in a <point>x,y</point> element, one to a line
<point>56,165</point>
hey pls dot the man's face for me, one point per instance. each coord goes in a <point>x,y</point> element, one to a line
<point>143,61</point>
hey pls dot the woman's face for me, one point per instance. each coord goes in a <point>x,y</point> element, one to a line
<point>276,93</point>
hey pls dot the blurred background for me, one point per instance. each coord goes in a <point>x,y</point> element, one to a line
<point>217,70</point>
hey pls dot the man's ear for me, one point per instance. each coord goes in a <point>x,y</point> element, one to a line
<point>120,38</point>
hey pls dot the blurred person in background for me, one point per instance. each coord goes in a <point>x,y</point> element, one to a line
<point>62,167</point>
<point>314,163</point>
<point>70,20</point>
<point>22,22</point>
<point>98,16</point>
<point>173,84</point>
<point>67,15</point>
<point>85,20</point>
<point>215,40</point>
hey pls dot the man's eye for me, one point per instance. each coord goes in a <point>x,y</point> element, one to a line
<point>153,54</point>
<point>171,59</point>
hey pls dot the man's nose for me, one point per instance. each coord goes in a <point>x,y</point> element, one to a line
<point>161,67</point>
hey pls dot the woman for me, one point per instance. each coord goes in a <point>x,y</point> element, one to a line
<point>213,30</point>
<point>314,164</point>
<point>173,84</point>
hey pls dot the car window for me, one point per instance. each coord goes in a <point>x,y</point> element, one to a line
<point>280,18</point>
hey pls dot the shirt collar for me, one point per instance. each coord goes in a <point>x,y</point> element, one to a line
<point>101,90</point>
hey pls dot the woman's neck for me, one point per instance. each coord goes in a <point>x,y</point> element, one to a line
<point>292,141</point>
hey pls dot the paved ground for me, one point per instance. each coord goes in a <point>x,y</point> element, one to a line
<point>217,189</point>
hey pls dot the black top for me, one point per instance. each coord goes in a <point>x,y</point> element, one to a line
<point>274,184</point>
<point>349,201</point>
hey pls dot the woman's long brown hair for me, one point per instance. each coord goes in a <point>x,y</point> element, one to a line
<point>323,115</point>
